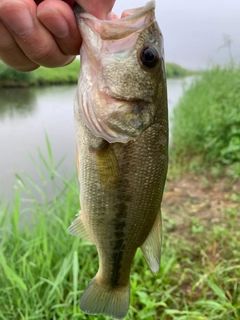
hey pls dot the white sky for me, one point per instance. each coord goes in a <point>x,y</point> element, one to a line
<point>194,30</point>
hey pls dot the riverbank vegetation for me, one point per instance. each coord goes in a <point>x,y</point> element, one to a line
<point>206,122</point>
<point>39,77</point>
<point>58,76</point>
<point>44,270</point>
<point>174,70</point>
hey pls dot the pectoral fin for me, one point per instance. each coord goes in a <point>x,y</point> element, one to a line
<point>151,248</point>
<point>78,229</point>
<point>107,166</point>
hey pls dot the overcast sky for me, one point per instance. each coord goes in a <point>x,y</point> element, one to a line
<point>194,30</point>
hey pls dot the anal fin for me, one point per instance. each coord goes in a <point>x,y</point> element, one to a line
<point>151,248</point>
<point>78,229</point>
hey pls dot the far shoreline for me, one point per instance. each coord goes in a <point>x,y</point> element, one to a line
<point>67,75</point>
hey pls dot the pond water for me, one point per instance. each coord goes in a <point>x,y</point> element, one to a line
<point>27,115</point>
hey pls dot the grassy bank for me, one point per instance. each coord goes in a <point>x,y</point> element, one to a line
<point>44,270</point>
<point>40,77</point>
<point>206,121</point>
<point>65,75</point>
<point>176,71</point>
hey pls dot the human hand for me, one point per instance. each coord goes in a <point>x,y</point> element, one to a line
<point>43,33</point>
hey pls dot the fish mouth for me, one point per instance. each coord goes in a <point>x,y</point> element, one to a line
<point>131,21</point>
<point>132,14</point>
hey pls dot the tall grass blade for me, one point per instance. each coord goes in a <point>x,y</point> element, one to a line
<point>11,275</point>
<point>49,150</point>
<point>75,279</point>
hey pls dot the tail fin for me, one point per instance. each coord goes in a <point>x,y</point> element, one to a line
<point>106,300</point>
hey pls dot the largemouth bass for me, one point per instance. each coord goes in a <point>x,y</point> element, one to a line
<point>121,121</point>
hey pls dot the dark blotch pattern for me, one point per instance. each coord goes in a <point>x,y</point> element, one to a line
<point>120,230</point>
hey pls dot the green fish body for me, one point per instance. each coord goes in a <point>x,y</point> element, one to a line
<point>121,121</point>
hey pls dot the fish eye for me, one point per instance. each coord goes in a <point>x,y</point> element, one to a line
<point>149,57</point>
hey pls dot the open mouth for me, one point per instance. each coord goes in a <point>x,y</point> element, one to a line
<point>131,14</point>
<point>131,21</point>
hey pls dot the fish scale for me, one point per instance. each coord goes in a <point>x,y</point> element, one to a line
<point>121,121</point>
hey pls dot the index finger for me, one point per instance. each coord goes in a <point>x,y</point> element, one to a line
<point>32,37</point>
<point>70,2</point>
<point>98,8</point>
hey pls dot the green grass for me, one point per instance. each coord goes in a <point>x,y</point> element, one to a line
<point>44,270</point>
<point>39,77</point>
<point>64,75</point>
<point>206,121</point>
<point>176,71</point>
<point>68,74</point>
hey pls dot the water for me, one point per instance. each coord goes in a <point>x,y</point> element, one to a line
<point>26,116</point>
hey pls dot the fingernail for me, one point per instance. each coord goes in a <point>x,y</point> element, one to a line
<point>54,22</point>
<point>19,21</point>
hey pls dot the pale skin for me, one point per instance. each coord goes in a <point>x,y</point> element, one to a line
<point>43,33</point>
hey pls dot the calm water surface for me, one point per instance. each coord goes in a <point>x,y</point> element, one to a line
<point>26,115</point>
